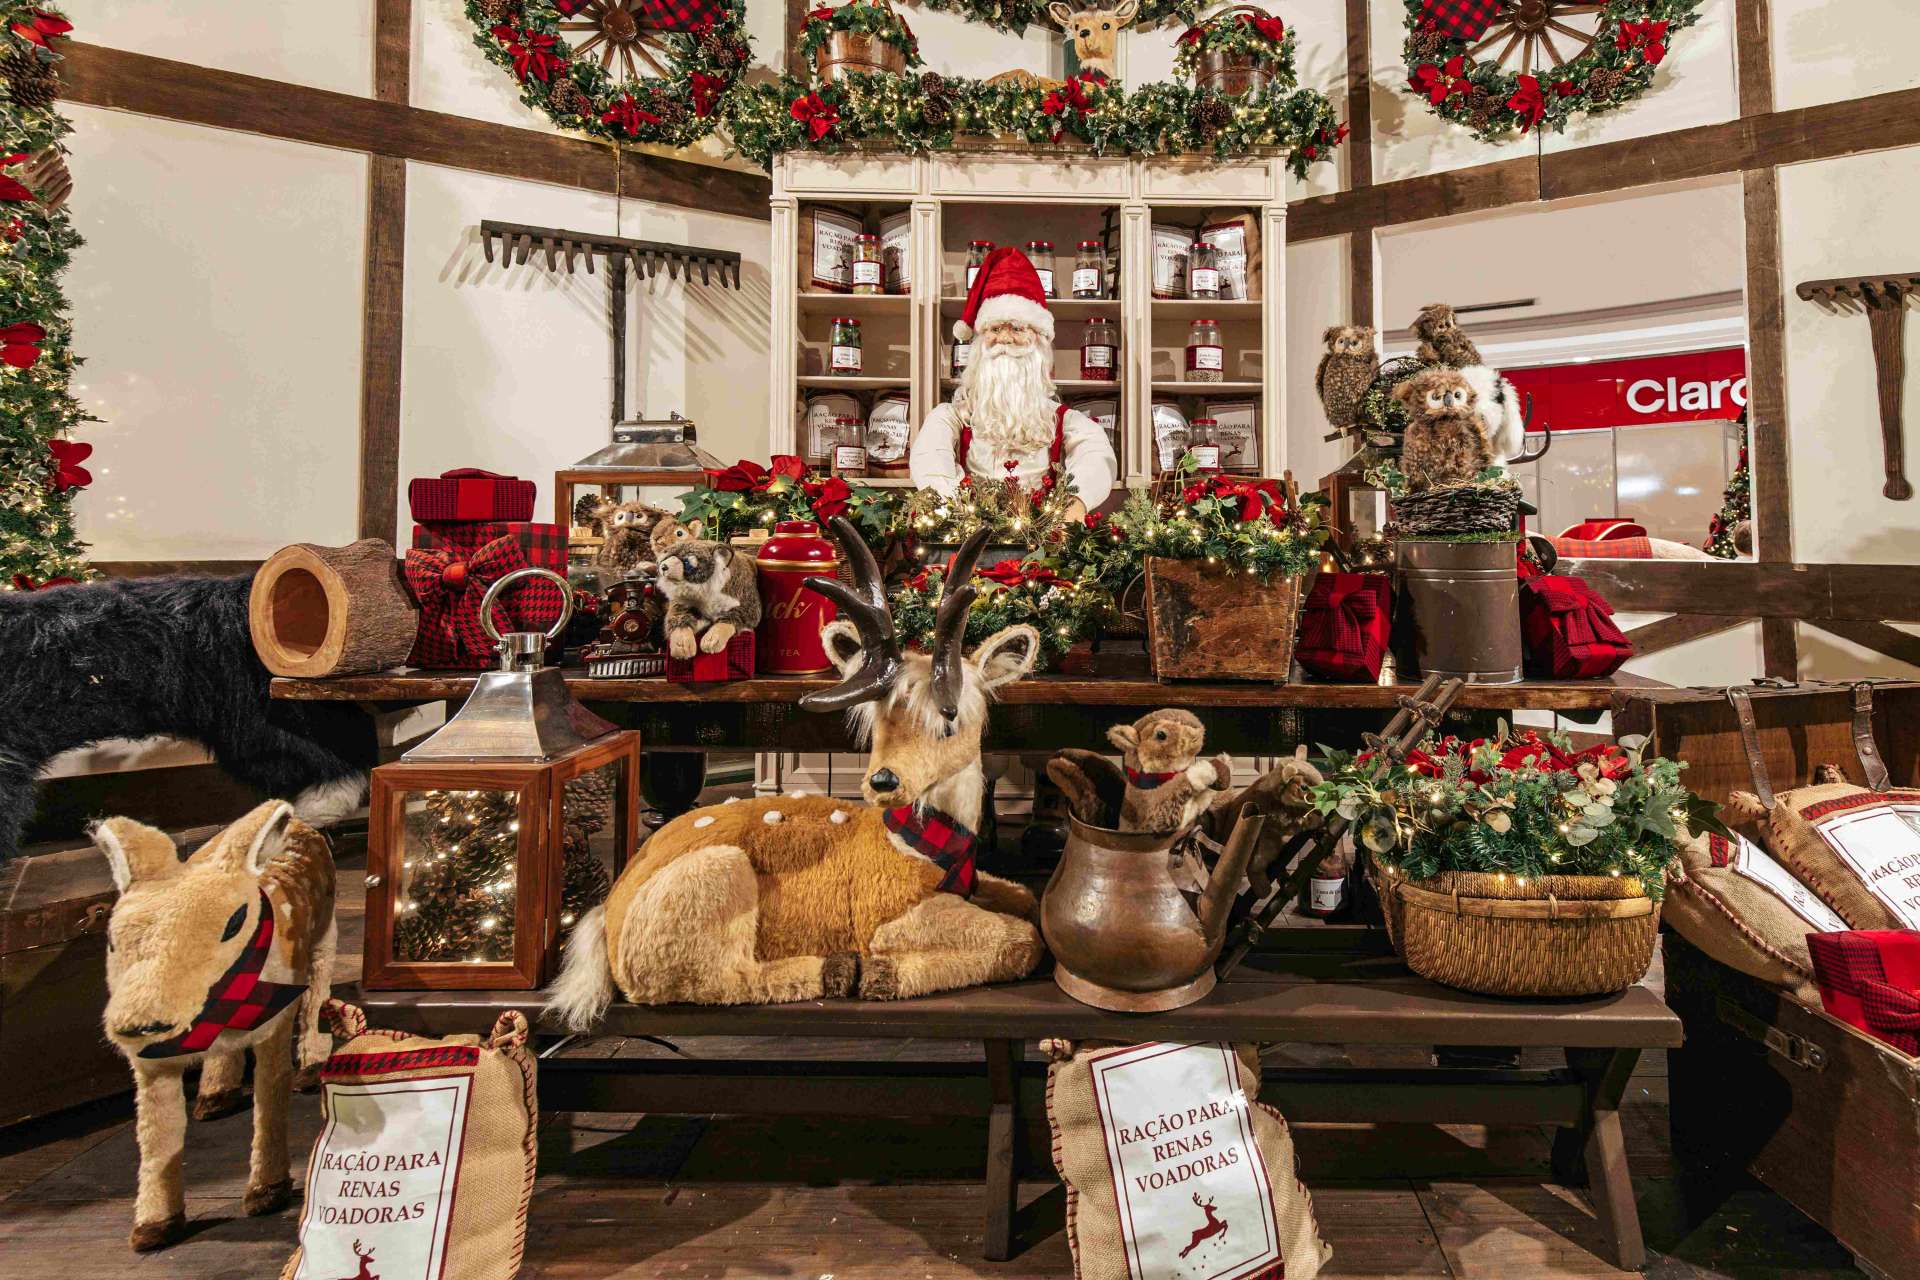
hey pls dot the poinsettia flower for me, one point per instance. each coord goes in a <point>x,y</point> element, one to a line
<point>12,190</point>
<point>20,344</point>
<point>790,465</point>
<point>1528,102</point>
<point>706,93</point>
<point>741,477</point>
<point>534,53</point>
<point>629,115</point>
<point>1192,35</point>
<point>1267,25</point>
<point>1566,88</point>
<point>830,497</point>
<point>42,28</point>
<point>1440,83</point>
<point>67,471</point>
<point>816,113</point>
<point>1080,89</point>
<point>1649,37</point>
<point>820,14</point>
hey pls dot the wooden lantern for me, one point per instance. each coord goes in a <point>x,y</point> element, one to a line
<point>475,870</point>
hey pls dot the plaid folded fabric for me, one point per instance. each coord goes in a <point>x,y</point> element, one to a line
<point>1344,626</point>
<point>1460,19</point>
<point>1569,629</point>
<point>1870,979</point>
<point>1610,549</point>
<point>469,495</point>
<point>448,571</point>
<point>678,15</point>
<point>735,662</point>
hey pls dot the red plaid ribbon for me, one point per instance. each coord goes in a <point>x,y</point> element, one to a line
<point>678,15</point>
<point>940,838</point>
<point>1569,629</point>
<point>1870,979</point>
<point>1343,630</point>
<point>378,1064</point>
<point>240,1000</point>
<point>469,495</point>
<point>450,635</point>
<point>1460,19</point>
<point>1149,780</point>
<point>450,587</point>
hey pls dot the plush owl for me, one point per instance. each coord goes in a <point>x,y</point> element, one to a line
<point>1345,370</point>
<point>1444,443</point>
<point>626,527</point>
<point>1441,338</point>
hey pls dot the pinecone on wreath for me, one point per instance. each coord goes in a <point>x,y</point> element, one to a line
<point>500,10</point>
<point>933,84</point>
<point>935,113</point>
<point>1427,45</point>
<point>30,81</point>
<point>1602,83</point>
<point>568,98</point>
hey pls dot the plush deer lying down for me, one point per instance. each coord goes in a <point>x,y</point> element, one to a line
<point>228,950</point>
<point>799,897</point>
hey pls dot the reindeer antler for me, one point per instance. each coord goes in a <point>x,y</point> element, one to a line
<point>950,625</point>
<point>868,611</point>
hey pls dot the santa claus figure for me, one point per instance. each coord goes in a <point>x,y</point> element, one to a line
<point>1006,421</point>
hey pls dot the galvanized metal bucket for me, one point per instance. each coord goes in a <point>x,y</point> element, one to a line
<point>1464,601</point>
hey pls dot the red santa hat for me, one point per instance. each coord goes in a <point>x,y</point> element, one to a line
<point>1006,288</point>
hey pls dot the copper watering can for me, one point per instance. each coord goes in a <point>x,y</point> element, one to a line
<point>1124,934</point>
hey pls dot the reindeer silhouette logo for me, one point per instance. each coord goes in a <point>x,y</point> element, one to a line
<point>365,1257</point>
<point>1215,1226</point>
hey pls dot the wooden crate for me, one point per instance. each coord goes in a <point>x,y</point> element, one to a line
<point>1823,1114</point>
<point>1801,726</point>
<point>1213,622</point>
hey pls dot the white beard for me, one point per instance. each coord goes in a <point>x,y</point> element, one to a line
<point>1006,396</point>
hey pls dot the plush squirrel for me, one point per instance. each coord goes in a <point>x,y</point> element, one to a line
<point>1444,443</point>
<point>711,589</point>
<point>1168,785</point>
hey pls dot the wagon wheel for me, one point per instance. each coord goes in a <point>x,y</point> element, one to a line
<point>616,28</point>
<point>1530,25</point>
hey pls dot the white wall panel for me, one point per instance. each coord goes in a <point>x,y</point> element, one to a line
<point>218,305</point>
<point>1826,52</point>
<point>1408,139</point>
<point>327,45</point>
<point>510,368</point>
<point>1317,296</point>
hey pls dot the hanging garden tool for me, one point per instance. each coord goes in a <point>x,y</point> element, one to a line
<point>1884,298</point>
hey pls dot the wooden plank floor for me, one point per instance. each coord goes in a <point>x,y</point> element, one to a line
<point>733,1198</point>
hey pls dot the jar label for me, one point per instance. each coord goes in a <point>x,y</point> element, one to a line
<point>962,354</point>
<point>971,273</point>
<point>846,359</point>
<point>849,457</point>
<point>1086,280</point>
<point>1326,895</point>
<point>1097,357</point>
<point>1206,457</point>
<point>1046,281</point>
<point>1213,358</point>
<point>1204,281</point>
<point>866,273</point>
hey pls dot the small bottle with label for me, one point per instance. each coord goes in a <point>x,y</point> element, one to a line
<point>1203,270</point>
<point>1040,254</point>
<point>1203,445</point>
<point>977,252</point>
<point>869,274</point>
<point>1099,350</point>
<point>1327,894</point>
<point>844,355</point>
<point>849,448</point>
<point>1090,270</point>
<point>962,357</point>
<point>1206,358</point>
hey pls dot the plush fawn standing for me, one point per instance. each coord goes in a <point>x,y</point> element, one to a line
<point>228,950</point>
<point>798,897</point>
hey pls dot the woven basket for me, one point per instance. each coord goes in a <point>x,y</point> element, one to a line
<point>1499,936</point>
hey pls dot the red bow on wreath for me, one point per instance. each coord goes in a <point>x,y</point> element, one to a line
<point>813,111</point>
<point>20,344</point>
<point>441,580</point>
<point>1649,37</point>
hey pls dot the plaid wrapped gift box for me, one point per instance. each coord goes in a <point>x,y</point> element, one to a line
<point>735,662</point>
<point>1870,979</point>
<point>1460,19</point>
<point>448,572</point>
<point>1344,626</point>
<point>468,495</point>
<point>1568,629</point>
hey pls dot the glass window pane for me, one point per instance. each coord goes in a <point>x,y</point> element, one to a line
<point>589,812</point>
<point>458,877</point>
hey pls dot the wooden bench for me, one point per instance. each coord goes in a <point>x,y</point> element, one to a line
<point>1353,996</point>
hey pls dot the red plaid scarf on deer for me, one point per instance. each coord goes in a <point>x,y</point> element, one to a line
<point>240,1001</point>
<point>1460,19</point>
<point>946,842</point>
<point>1871,979</point>
<point>1140,778</point>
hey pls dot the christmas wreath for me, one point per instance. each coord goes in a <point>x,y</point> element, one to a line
<point>595,84</point>
<point>1257,35</point>
<point>929,112</point>
<point>870,19</point>
<point>748,496</point>
<point>1017,15</point>
<point>1603,69</point>
<point>1011,592</point>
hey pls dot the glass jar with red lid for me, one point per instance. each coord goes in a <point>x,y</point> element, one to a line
<point>1099,351</point>
<point>792,613</point>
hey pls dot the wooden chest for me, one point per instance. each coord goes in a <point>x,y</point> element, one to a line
<point>1825,1115</point>
<point>1800,726</point>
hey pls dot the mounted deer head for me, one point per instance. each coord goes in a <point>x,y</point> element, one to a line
<point>921,713</point>
<point>1094,32</point>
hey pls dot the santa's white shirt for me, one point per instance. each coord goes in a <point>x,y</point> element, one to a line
<point>1088,461</point>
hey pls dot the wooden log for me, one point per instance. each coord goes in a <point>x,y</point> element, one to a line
<point>330,611</point>
<point>1214,622</point>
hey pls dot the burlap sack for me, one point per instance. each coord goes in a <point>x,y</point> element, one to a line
<point>1745,909</point>
<point>1173,1170</point>
<point>1857,849</point>
<point>425,1166</point>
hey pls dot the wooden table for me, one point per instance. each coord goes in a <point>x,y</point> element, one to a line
<point>1347,992</point>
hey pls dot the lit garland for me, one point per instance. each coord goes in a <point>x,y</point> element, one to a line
<point>931,112</point>
<point>1259,527</point>
<point>1494,103</point>
<point>1011,592</point>
<point>576,92</point>
<point>871,19</point>
<point>40,462</point>
<point>1010,512</point>
<point>1526,806</point>
<point>747,496</point>
<point>1017,15</point>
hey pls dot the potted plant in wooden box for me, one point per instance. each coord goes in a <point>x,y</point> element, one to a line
<point>1223,558</point>
<point>1515,865</point>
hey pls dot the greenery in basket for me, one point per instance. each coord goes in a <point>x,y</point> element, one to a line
<point>1260,527</point>
<point>1526,806</point>
<point>873,19</point>
<point>748,496</point>
<point>1259,36</point>
<point>1010,512</point>
<point>1013,591</point>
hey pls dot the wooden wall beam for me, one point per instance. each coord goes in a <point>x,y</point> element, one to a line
<point>383,321</point>
<point>1668,633</point>
<point>1877,636</point>
<point>1360,245</point>
<point>185,91</point>
<point>1848,592</point>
